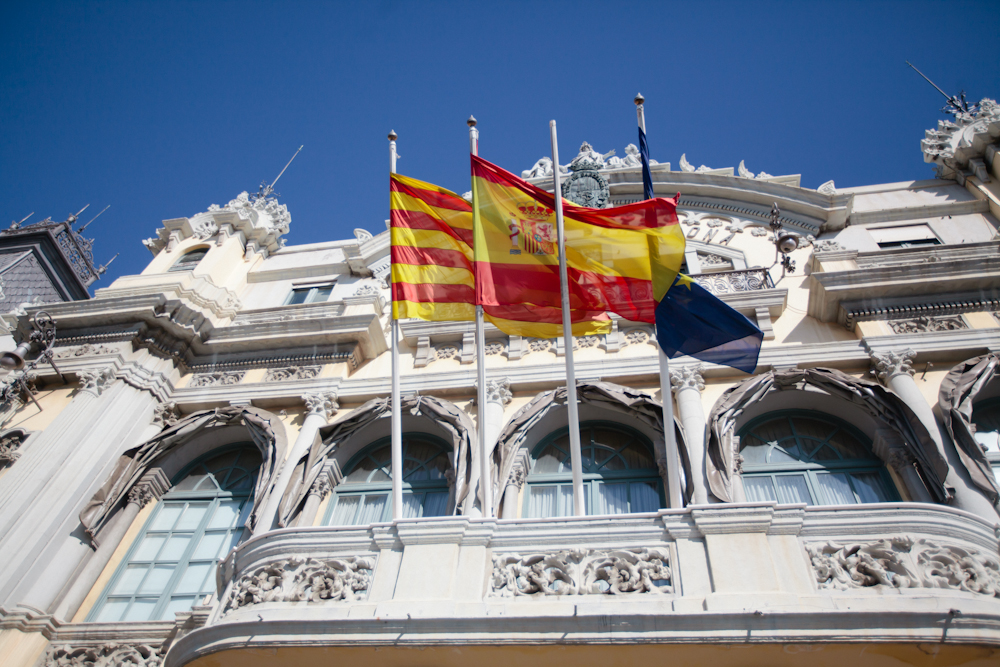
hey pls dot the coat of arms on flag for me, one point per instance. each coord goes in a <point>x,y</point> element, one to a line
<point>534,233</point>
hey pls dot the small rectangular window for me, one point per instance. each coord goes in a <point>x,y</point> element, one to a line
<point>314,294</point>
<point>905,236</point>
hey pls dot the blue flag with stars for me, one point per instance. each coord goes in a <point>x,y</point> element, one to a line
<point>692,321</point>
<point>647,175</point>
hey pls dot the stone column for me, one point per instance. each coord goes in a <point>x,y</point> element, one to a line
<point>687,384</point>
<point>889,447</point>
<point>498,396</point>
<point>329,477</point>
<point>150,488</point>
<point>321,407</point>
<point>895,370</point>
<point>514,484</point>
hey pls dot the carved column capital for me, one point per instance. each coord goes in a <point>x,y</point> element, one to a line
<point>323,404</point>
<point>329,477</point>
<point>96,381</point>
<point>517,476</point>
<point>166,414</point>
<point>891,363</point>
<point>498,391</point>
<point>687,377</point>
<point>149,488</point>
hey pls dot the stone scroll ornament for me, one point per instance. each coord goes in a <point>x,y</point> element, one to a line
<point>902,562</point>
<point>105,655</point>
<point>298,579</point>
<point>582,572</point>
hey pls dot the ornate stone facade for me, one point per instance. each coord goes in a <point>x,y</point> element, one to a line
<point>305,579</point>
<point>217,378</point>
<point>292,373</point>
<point>582,572</point>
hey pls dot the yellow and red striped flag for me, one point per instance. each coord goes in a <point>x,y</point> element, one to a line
<point>432,267</point>
<point>620,260</point>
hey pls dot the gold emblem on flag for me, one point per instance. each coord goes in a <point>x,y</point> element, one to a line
<point>533,232</point>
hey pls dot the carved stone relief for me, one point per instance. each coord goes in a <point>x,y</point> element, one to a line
<point>85,350</point>
<point>927,323</point>
<point>96,381</point>
<point>106,655</point>
<point>539,344</point>
<point>296,579</point>
<point>894,362</point>
<point>498,391</point>
<point>582,572</point>
<point>218,378</point>
<point>446,352</point>
<point>166,414</point>
<point>9,446</point>
<point>636,337</point>
<point>902,562</point>
<point>324,403</point>
<point>587,341</point>
<point>685,377</point>
<point>292,373</point>
<point>368,290</point>
<point>827,245</point>
<point>493,349</point>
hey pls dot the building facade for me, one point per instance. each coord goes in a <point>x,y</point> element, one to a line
<point>211,485</point>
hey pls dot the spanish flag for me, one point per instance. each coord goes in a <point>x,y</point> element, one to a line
<point>620,260</point>
<point>432,267</point>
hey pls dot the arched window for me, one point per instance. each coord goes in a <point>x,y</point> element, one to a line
<point>364,496</point>
<point>986,417</point>
<point>171,565</point>
<point>808,457</point>
<point>619,473</point>
<point>189,260</point>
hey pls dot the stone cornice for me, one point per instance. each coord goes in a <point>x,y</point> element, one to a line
<point>912,212</point>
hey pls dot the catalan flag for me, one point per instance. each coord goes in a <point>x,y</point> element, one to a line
<point>432,269</point>
<point>621,260</point>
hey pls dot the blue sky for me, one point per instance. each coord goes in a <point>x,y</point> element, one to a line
<point>162,108</point>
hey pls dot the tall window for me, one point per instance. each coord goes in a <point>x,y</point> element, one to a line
<point>189,260</point>
<point>171,566</point>
<point>314,294</point>
<point>807,457</point>
<point>986,417</point>
<point>619,473</point>
<point>365,495</point>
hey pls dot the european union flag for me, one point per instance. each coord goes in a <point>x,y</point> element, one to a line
<point>647,175</point>
<point>692,321</point>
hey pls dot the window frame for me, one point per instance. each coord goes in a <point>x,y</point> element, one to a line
<point>591,480</point>
<point>311,291</point>
<point>993,457</point>
<point>180,265</point>
<point>810,470</point>
<point>213,499</point>
<point>364,489</point>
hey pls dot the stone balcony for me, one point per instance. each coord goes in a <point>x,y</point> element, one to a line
<point>750,573</point>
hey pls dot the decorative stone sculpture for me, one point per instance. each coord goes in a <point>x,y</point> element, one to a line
<point>85,350</point>
<point>585,186</point>
<point>542,168</point>
<point>105,655</point>
<point>684,377</point>
<point>827,188</point>
<point>166,414</point>
<point>588,159</point>
<point>582,572</point>
<point>324,403</point>
<point>893,362</point>
<point>296,579</point>
<point>292,373</point>
<point>927,323</point>
<point>902,562</point>
<point>96,381</point>
<point>827,245</point>
<point>9,445</point>
<point>498,391</point>
<point>632,159</point>
<point>223,378</point>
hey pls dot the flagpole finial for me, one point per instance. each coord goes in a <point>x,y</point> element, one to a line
<point>471,122</point>
<point>639,99</point>
<point>392,135</point>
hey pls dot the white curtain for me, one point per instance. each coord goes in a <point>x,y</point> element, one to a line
<point>412,505</point>
<point>792,489</point>
<point>372,510</point>
<point>645,497</point>
<point>869,487</point>
<point>836,488</point>
<point>544,501</point>
<point>612,498</point>
<point>759,489</point>
<point>345,510</point>
<point>436,503</point>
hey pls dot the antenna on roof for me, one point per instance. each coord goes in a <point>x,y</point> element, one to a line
<point>73,218</point>
<point>956,103</point>
<point>268,190</point>
<point>17,225</point>
<point>80,231</point>
<point>102,269</point>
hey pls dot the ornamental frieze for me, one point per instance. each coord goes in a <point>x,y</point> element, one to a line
<point>582,572</point>
<point>292,373</point>
<point>296,579</point>
<point>927,324</point>
<point>218,378</point>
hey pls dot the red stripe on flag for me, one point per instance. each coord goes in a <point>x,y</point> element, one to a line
<point>425,293</point>
<point>421,220</point>
<point>432,198</point>
<point>404,254</point>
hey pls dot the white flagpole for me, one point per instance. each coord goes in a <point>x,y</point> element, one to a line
<point>673,460</point>
<point>579,502</point>
<point>397,418</point>
<point>485,478</point>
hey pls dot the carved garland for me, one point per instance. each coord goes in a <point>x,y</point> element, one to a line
<point>296,579</point>
<point>225,378</point>
<point>902,562</point>
<point>582,572</point>
<point>106,655</point>
<point>292,373</point>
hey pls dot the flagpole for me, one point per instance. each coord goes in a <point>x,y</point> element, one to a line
<point>669,436</point>
<point>485,479</point>
<point>396,446</point>
<point>579,502</point>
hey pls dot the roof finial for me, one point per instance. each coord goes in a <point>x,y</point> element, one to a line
<point>472,121</point>
<point>639,99</point>
<point>956,103</point>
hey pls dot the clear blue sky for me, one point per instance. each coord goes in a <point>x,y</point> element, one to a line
<point>162,108</point>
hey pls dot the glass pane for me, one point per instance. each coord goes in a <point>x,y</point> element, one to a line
<point>128,582</point>
<point>319,294</point>
<point>543,501</point>
<point>836,488</point>
<point>645,497</point>
<point>612,498</point>
<point>550,461</point>
<point>792,489</point>
<point>436,504</point>
<point>140,609</point>
<point>373,509</point>
<point>411,505</point>
<point>112,610</point>
<point>754,455</point>
<point>413,470</point>
<point>822,451</point>
<point>345,510</point>
<point>989,439</point>
<point>157,579</point>
<point>193,579</point>
<point>869,487</point>
<point>298,296</point>
<point>812,428</point>
<point>225,514</point>
<point>209,545</point>
<point>192,516</point>
<point>195,480</point>
<point>438,466</point>
<point>848,446</point>
<point>637,456</point>
<point>149,547</point>
<point>174,548</point>
<point>759,489</point>
<point>361,471</point>
<point>176,604</point>
<point>166,516</point>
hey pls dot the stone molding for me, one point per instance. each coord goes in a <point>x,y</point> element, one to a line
<point>95,381</point>
<point>927,324</point>
<point>292,373</point>
<point>582,572</point>
<point>216,378</point>
<point>323,404</point>
<point>891,363</point>
<point>687,377</point>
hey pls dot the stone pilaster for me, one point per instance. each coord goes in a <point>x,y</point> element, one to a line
<point>687,384</point>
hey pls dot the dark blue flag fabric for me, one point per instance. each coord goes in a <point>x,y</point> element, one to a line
<point>692,321</point>
<point>647,176</point>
